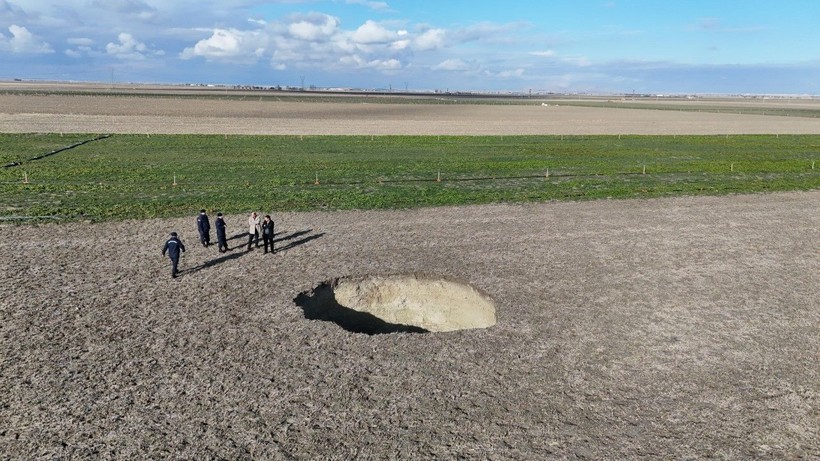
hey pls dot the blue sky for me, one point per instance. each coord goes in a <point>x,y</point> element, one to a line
<point>599,46</point>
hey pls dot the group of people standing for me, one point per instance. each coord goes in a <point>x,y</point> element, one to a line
<point>263,228</point>
<point>256,227</point>
<point>203,225</point>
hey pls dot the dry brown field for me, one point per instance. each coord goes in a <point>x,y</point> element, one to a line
<point>140,111</point>
<point>683,329</point>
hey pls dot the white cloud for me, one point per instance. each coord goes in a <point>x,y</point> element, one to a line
<point>430,40</point>
<point>129,48</point>
<point>314,27</point>
<point>228,44</point>
<point>388,64</point>
<point>82,47</point>
<point>452,65</point>
<point>514,73</point>
<point>309,41</point>
<point>399,45</point>
<point>316,43</point>
<point>23,41</point>
<point>578,61</point>
<point>356,61</point>
<point>552,56</point>
<point>371,32</point>
<point>80,41</point>
<point>78,52</point>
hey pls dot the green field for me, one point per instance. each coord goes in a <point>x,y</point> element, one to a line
<point>707,107</point>
<point>132,176</point>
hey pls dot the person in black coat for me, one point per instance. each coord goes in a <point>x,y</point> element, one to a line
<point>267,233</point>
<point>173,247</point>
<point>221,239</point>
<point>203,225</point>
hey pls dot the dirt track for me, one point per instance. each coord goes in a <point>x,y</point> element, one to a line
<point>650,329</point>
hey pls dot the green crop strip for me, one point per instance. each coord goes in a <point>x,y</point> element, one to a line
<point>139,176</point>
<point>705,107</point>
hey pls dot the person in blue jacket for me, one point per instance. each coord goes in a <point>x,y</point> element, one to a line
<point>174,248</point>
<point>203,225</point>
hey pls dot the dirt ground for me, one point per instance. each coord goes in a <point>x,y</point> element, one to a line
<point>682,328</point>
<point>653,329</point>
<point>56,113</point>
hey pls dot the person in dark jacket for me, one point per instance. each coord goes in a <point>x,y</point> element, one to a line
<point>203,225</point>
<point>173,247</point>
<point>221,239</point>
<point>267,233</point>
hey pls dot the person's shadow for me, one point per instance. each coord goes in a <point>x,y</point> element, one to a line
<point>291,243</point>
<point>237,236</point>
<point>212,263</point>
<point>241,250</point>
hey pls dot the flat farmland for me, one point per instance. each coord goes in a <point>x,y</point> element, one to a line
<point>269,113</point>
<point>652,328</point>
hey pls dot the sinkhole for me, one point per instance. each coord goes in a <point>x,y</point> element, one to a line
<point>412,303</point>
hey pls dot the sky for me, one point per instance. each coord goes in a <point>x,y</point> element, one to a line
<point>561,46</point>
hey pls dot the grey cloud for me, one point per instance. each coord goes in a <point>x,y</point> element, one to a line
<point>132,8</point>
<point>487,31</point>
<point>10,10</point>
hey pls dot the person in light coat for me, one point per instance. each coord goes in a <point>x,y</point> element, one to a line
<point>254,229</point>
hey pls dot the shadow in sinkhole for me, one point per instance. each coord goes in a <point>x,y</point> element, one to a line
<point>320,304</point>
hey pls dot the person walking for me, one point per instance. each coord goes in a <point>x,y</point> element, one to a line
<point>221,239</point>
<point>267,233</point>
<point>204,227</point>
<point>253,230</point>
<point>173,247</point>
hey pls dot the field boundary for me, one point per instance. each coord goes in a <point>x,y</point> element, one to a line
<point>56,151</point>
